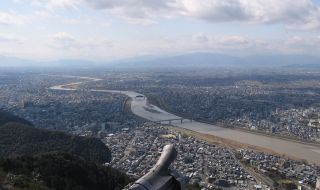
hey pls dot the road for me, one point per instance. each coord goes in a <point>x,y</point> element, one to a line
<point>141,108</point>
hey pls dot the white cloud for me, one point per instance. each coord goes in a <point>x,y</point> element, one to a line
<point>54,4</point>
<point>135,8</point>
<point>66,42</point>
<point>8,38</point>
<point>72,21</point>
<point>140,21</point>
<point>11,19</point>
<point>295,14</point>
<point>222,40</point>
<point>143,12</point>
<point>303,44</point>
<point>232,40</point>
<point>200,37</point>
<point>43,14</point>
<point>62,40</point>
<point>63,36</point>
<point>229,44</point>
<point>214,10</point>
<point>236,44</point>
<point>64,3</point>
<point>48,15</point>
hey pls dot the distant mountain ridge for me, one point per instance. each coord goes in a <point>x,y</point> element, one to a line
<point>186,60</point>
<point>212,60</point>
<point>192,60</point>
<point>17,62</point>
<point>14,62</point>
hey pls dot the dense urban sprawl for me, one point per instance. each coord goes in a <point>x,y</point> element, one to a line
<point>279,107</point>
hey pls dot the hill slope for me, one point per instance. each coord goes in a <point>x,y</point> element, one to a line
<point>38,159</point>
<point>17,139</point>
<point>58,171</point>
<point>6,117</point>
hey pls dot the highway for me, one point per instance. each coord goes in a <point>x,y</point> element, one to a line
<point>142,108</point>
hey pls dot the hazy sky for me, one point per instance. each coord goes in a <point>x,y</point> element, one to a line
<point>109,29</point>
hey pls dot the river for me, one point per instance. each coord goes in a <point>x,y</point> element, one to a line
<point>142,108</point>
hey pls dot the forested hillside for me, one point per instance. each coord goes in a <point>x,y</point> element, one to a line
<point>38,159</point>
<point>7,117</point>
<point>58,171</point>
<point>17,139</point>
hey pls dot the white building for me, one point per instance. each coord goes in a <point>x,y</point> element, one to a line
<point>318,183</point>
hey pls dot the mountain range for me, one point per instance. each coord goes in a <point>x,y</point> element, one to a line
<point>191,60</point>
<point>212,60</point>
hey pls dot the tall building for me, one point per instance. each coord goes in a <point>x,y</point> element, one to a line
<point>103,126</point>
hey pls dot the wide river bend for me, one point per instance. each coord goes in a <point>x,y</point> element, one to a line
<point>142,108</point>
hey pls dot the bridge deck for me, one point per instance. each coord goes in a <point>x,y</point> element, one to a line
<point>170,120</point>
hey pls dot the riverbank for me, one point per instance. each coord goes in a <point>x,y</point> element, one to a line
<point>161,104</point>
<point>233,144</point>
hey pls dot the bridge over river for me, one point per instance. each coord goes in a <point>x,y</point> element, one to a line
<point>142,108</point>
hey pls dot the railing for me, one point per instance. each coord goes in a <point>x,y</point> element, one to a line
<point>160,177</point>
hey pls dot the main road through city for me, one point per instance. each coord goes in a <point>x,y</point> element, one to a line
<point>142,108</point>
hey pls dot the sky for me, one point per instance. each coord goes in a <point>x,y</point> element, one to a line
<point>116,29</point>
